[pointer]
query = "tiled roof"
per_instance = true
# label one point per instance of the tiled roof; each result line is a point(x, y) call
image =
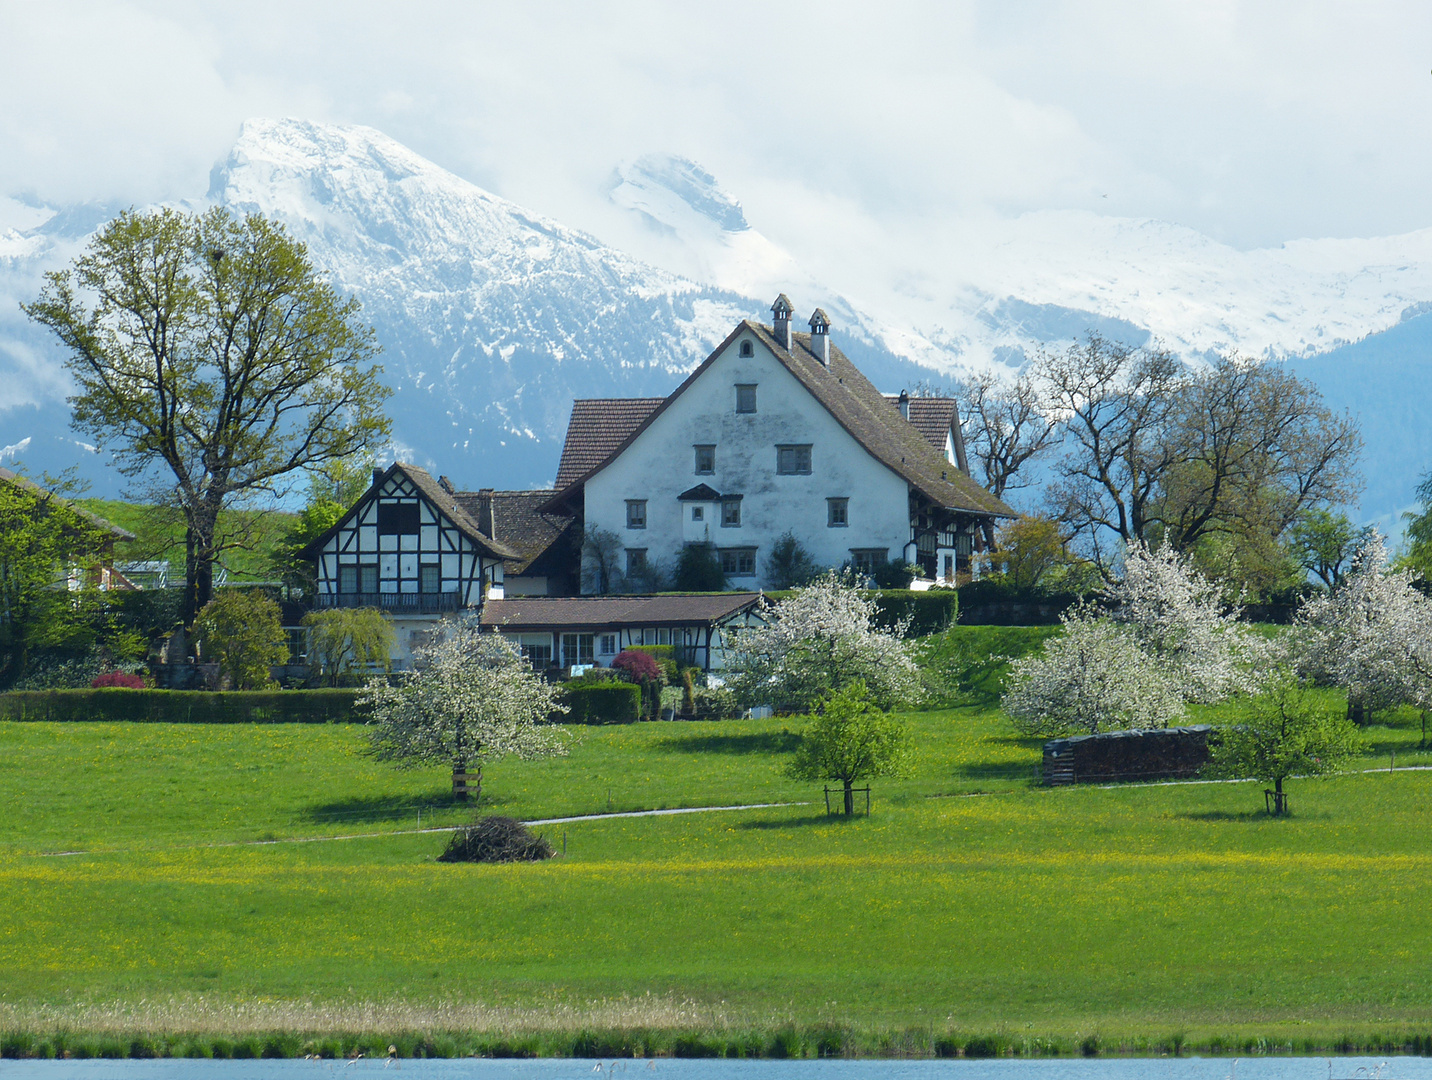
point(11, 477)
point(436, 494)
point(598, 612)
point(932, 416)
point(856, 405)
point(516, 519)
point(597, 427)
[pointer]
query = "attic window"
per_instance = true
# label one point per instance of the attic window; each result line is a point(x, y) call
point(793, 460)
point(397, 518)
point(745, 397)
point(747, 349)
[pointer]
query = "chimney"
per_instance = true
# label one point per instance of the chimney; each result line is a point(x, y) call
point(781, 321)
point(446, 485)
point(377, 475)
point(820, 336)
point(485, 522)
point(905, 404)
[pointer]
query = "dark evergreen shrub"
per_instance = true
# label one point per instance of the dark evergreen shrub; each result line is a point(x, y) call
point(698, 569)
point(600, 702)
point(496, 839)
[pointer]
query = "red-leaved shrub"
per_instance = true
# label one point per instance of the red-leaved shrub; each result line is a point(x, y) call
point(118, 678)
point(637, 666)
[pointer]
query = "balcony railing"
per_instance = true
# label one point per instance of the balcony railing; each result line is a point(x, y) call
point(397, 603)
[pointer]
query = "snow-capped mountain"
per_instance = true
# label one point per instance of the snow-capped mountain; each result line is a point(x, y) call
point(493, 317)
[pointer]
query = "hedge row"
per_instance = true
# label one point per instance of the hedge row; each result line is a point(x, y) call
point(606, 702)
point(930, 611)
point(183, 706)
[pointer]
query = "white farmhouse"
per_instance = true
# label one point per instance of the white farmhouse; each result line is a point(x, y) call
point(776, 432)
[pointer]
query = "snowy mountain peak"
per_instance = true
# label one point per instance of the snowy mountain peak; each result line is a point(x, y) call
point(671, 191)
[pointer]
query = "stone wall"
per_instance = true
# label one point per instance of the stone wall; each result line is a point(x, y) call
point(1158, 754)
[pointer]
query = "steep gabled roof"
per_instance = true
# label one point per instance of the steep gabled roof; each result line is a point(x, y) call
point(933, 417)
point(438, 496)
point(597, 428)
point(9, 476)
point(516, 519)
point(857, 406)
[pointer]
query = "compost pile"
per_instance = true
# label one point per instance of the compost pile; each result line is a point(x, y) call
point(496, 839)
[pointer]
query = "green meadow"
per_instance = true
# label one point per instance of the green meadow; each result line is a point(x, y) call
point(190, 877)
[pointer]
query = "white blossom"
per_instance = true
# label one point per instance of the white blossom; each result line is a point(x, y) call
point(1371, 635)
point(472, 698)
point(1095, 676)
point(1179, 617)
point(819, 639)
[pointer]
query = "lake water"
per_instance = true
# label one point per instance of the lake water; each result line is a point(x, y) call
point(1304, 1068)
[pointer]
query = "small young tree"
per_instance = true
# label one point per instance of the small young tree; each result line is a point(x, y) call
point(472, 699)
point(342, 640)
point(1093, 677)
point(789, 565)
point(815, 641)
point(851, 739)
point(1177, 617)
point(698, 569)
point(242, 631)
point(1028, 551)
point(601, 568)
point(1286, 734)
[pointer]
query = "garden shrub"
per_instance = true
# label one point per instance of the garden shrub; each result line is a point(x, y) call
point(496, 839)
point(119, 679)
point(114, 705)
point(638, 665)
point(665, 655)
point(601, 702)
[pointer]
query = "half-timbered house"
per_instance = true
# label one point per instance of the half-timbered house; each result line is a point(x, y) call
point(410, 549)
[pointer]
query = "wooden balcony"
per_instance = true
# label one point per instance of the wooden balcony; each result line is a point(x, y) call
point(393, 603)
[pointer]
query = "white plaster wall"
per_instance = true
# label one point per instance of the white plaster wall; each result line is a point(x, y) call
point(661, 463)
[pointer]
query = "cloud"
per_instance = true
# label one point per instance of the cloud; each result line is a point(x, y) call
point(1252, 122)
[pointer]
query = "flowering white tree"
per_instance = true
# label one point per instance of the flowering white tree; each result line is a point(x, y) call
point(1178, 616)
point(1093, 677)
point(1372, 635)
point(473, 698)
point(817, 640)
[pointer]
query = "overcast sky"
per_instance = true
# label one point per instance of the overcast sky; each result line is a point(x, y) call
point(1254, 123)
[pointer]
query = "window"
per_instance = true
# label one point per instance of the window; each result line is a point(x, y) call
point(745, 397)
point(793, 460)
point(837, 513)
point(747, 349)
point(705, 460)
point(430, 578)
point(348, 579)
point(537, 648)
point(636, 561)
point(636, 513)
point(867, 559)
point(297, 645)
point(730, 513)
point(578, 649)
point(949, 574)
point(607, 645)
point(395, 518)
point(738, 562)
point(368, 578)
point(698, 513)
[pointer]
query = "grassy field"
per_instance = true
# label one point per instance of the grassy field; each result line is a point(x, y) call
point(971, 901)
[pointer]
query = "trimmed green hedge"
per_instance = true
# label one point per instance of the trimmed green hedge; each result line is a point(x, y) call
point(601, 702)
point(183, 706)
point(931, 611)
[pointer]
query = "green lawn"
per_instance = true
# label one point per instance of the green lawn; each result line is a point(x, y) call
point(971, 900)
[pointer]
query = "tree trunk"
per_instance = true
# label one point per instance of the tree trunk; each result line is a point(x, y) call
point(849, 798)
point(1278, 803)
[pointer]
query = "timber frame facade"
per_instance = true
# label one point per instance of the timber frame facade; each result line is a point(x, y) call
point(407, 548)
